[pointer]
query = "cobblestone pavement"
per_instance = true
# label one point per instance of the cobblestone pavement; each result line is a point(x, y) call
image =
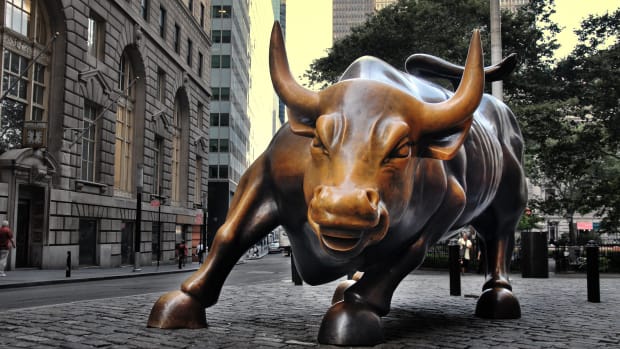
point(555, 314)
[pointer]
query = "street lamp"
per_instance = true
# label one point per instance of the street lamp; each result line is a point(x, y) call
point(159, 200)
point(138, 231)
point(204, 224)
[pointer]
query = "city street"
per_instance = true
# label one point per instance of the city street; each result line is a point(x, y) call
point(267, 270)
point(267, 310)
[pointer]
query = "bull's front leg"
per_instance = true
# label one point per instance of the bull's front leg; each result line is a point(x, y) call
point(252, 215)
point(356, 319)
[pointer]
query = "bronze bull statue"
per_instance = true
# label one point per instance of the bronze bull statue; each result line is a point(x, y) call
point(366, 176)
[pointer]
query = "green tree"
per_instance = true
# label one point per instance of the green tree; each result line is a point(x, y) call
point(588, 81)
point(441, 28)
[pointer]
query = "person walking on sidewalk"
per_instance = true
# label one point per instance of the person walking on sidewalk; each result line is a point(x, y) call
point(182, 252)
point(6, 240)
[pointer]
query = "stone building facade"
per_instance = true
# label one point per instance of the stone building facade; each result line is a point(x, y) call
point(103, 101)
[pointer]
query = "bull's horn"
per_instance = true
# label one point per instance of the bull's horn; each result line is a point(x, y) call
point(458, 109)
point(303, 104)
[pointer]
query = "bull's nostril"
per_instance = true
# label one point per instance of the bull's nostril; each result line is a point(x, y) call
point(318, 190)
point(373, 197)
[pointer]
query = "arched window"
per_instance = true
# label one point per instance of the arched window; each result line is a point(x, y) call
point(176, 151)
point(25, 75)
point(123, 148)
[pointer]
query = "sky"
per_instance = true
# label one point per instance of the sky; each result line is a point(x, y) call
point(308, 32)
point(570, 13)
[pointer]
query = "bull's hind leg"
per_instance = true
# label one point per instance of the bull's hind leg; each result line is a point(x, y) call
point(497, 226)
point(251, 216)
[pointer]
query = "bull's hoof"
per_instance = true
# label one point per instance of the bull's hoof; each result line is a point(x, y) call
point(177, 309)
point(498, 303)
point(351, 324)
point(339, 292)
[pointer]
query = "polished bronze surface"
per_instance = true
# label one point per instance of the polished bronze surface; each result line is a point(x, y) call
point(367, 174)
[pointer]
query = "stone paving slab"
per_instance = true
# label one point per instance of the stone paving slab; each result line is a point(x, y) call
point(555, 314)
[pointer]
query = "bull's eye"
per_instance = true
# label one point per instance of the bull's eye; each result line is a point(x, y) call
point(318, 144)
point(402, 151)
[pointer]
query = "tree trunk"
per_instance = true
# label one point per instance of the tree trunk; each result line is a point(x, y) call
point(496, 45)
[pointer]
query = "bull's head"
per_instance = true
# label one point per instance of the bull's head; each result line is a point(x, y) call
point(366, 137)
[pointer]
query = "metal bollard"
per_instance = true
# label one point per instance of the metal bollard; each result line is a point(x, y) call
point(594, 287)
point(294, 273)
point(68, 268)
point(455, 268)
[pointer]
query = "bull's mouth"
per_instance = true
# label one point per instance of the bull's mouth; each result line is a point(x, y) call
point(350, 240)
point(341, 239)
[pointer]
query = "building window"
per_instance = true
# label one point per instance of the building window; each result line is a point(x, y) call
point(158, 165)
point(224, 146)
point(202, 15)
point(123, 147)
point(89, 142)
point(176, 151)
point(221, 36)
point(25, 101)
point(212, 171)
point(162, 22)
point(17, 15)
point(177, 38)
point(144, 9)
point(190, 5)
point(221, 93)
point(213, 145)
point(223, 172)
point(24, 81)
point(224, 119)
point(198, 181)
point(200, 63)
point(220, 61)
point(189, 52)
point(221, 11)
point(95, 37)
point(200, 116)
point(161, 85)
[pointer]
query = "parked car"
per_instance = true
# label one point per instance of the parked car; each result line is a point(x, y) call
point(274, 247)
point(285, 244)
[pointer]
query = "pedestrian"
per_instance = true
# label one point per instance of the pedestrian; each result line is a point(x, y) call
point(464, 251)
point(200, 251)
point(6, 241)
point(182, 252)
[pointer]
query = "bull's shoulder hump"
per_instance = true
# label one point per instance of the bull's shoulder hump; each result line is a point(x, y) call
point(375, 69)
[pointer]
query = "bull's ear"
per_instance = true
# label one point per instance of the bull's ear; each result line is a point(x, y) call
point(444, 145)
point(299, 125)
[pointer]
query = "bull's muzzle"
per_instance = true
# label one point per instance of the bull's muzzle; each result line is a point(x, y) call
point(347, 219)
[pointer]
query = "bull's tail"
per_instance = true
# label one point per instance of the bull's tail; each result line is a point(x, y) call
point(429, 66)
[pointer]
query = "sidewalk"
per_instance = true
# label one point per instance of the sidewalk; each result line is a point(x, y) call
point(37, 277)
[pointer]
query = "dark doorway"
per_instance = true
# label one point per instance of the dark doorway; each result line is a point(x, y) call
point(22, 238)
point(127, 254)
point(155, 246)
point(88, 242)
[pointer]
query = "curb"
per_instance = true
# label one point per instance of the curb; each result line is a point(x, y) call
point(87, 279)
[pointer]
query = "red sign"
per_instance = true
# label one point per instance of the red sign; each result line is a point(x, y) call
point(584, 225)
point(198, 219)
point(155, 203)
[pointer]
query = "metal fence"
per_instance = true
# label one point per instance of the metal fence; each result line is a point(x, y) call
point(568, 258)
point(572, 258)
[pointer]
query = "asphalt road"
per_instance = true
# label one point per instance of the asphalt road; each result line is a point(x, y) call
point(270, 269)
